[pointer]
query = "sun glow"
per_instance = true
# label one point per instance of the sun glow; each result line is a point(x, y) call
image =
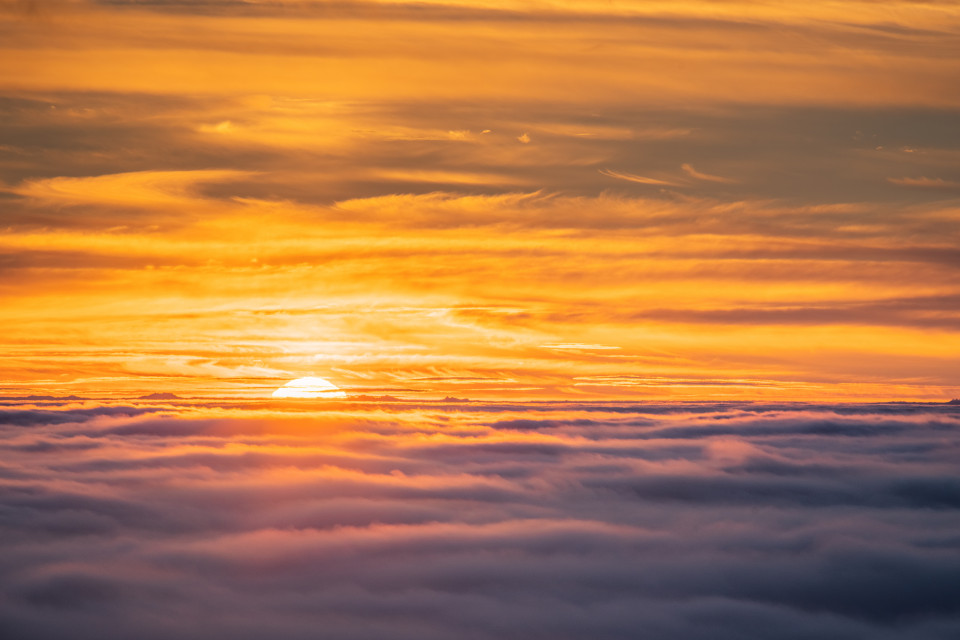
point(309, 388)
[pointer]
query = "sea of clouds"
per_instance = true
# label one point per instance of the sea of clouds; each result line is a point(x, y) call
point(250, 521)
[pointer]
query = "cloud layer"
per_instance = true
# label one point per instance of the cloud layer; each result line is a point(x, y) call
point(352, 520)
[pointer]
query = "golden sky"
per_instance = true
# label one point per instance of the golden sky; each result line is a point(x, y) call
point(526, 199)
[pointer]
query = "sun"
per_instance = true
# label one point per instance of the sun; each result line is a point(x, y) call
point(309, 388)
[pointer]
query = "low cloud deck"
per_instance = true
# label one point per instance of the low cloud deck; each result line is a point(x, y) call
point(364, 520)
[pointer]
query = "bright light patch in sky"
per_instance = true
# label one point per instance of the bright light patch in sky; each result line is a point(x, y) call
point(309, 388)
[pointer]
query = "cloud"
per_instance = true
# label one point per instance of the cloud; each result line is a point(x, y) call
point(435, 521)
point(33, 416)
point(150, 48)
point(448, 177)
point(925, 183)
point(639, 179)
point(579, 347)
point(147, 189)
point(693, 173)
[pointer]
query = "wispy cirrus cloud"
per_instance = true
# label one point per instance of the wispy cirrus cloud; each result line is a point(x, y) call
point(925, 183)
point(699, 175)
point(639, 179)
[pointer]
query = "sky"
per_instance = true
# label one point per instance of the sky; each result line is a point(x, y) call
point(619, 319)
point(527, 200)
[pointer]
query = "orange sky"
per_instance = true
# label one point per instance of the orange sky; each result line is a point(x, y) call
point(555, 200)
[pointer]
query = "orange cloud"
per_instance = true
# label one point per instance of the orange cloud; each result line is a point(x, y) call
point(925, 183)
point(693, 173)
point(639, 179)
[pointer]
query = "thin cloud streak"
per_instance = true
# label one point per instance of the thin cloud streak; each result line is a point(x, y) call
point(639, 179)
point(693, 173)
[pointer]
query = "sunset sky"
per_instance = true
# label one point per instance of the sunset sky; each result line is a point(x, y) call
point(479, 320)
point(520, 199)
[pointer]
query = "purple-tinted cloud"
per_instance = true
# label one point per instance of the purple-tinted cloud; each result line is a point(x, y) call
point(520, 521)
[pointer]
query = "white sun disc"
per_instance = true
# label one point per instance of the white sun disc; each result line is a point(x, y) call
point(309, 388)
